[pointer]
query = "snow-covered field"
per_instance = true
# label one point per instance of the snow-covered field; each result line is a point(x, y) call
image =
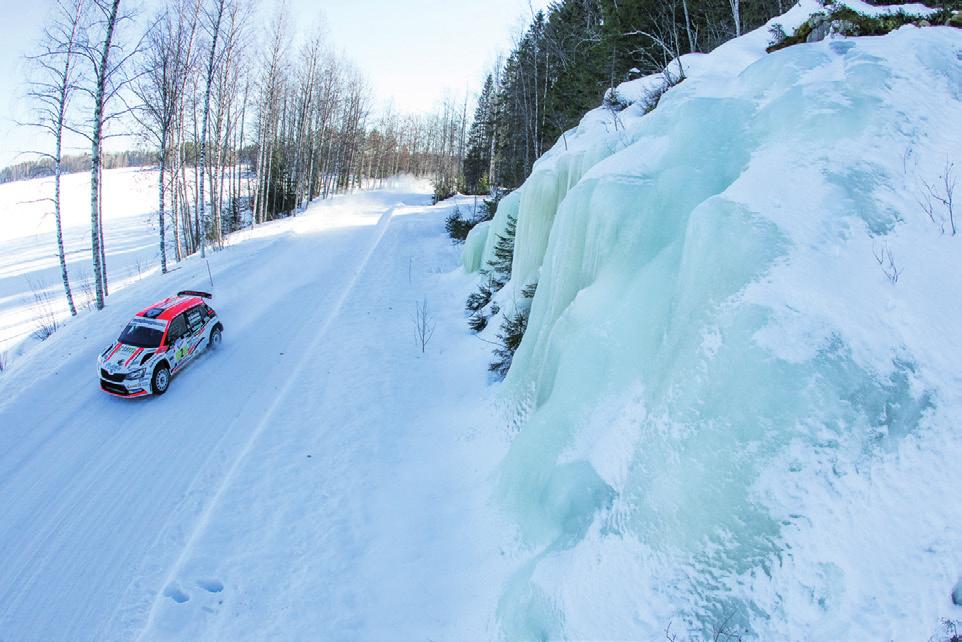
point(28, 252)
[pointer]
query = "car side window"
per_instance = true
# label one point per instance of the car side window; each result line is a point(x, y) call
point(195, 319)
point(178, 328)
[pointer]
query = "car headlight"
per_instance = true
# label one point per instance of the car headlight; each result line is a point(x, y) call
point(136, 374)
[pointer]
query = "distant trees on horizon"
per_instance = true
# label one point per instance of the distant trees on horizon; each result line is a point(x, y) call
point(73, 163)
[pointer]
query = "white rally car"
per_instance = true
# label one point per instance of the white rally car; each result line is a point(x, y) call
point(157, 343)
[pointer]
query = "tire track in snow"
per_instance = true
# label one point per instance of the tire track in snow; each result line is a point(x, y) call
point(203, 520)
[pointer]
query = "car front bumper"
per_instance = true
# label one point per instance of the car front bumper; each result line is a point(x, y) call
point(119, 386)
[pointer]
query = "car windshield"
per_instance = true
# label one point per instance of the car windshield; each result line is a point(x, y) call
point(141, 335)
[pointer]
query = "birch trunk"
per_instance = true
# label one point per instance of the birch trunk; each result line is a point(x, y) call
point(56, 210)
point(160, 210)
point(100, 213)
point(96, 236)
point(205, 115)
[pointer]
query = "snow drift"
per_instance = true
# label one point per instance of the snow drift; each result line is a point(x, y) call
point(739, 387)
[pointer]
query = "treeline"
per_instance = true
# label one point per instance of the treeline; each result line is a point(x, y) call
point(243, 126)
point(570, 58)
point(314, 134)
point(44, 167)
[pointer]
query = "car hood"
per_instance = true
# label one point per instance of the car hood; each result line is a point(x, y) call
point(123, 358)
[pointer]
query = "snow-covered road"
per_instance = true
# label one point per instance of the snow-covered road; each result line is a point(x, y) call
point(317, 477)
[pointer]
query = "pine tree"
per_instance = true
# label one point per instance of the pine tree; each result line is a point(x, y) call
point(477, 160)
point(513, 327)
point(495, 275)
point(570, 57)
point(504, 251)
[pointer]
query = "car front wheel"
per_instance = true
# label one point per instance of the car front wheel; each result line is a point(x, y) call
point(161, 380)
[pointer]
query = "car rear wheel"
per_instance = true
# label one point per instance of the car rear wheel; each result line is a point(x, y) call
point(215, 338)
point(161, 380)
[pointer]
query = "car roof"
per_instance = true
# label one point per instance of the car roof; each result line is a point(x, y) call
point(170, 307)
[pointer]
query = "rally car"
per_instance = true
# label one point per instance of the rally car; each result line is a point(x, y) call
point(158, 343)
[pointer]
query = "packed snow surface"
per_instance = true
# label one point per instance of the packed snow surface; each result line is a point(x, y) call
point(738, 397)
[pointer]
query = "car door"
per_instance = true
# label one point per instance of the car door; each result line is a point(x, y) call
point(178, 340)
point(195, 328)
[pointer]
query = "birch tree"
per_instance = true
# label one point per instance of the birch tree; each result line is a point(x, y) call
point(169, 56)
point(736, 7)
point(214, 17)
point(98, 48)
point(52, 90)
point(225, 115)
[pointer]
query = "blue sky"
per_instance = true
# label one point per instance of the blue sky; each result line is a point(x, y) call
point(411, 51)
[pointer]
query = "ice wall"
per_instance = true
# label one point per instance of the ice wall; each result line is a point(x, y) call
point(715, 360)
point(474, 244)
point(600, 134)
point(507, 209)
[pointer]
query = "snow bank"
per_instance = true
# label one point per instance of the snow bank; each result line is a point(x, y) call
point(735, 412)
point(910, 8)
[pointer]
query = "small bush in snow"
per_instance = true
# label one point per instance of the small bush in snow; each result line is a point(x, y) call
point(457, 227)
point(512, 331)
point(886, 261)
point(722, 632)
point(948, 632)
point(498, 271)
point(479, 300)
point(488, 209)
point(496, 275)
point(139, 267)
point(478, 321)
point(424, 324)
point(778, 36)
point(443, 189)
point(3, 361)
point(937, 199)
point(87, 297)
point(45, 319)
point(504, 251)
point(458, 224)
